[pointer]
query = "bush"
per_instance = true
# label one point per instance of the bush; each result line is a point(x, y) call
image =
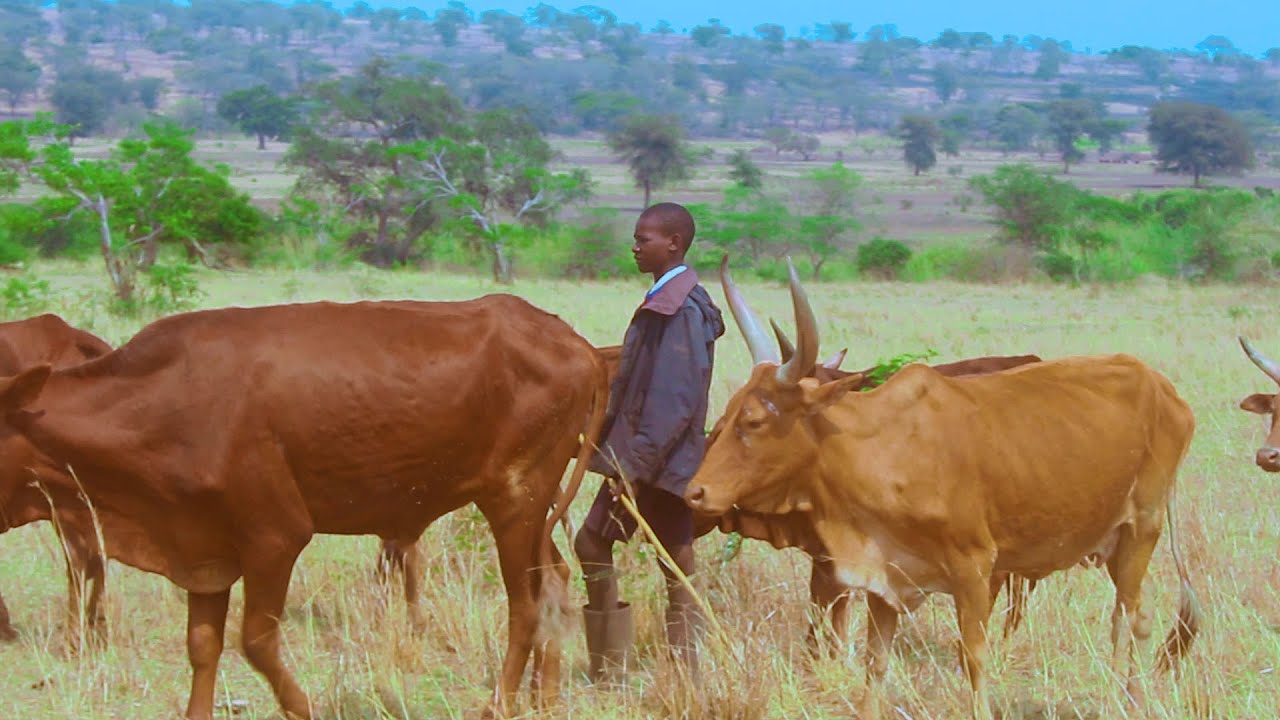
point(882, 258)
point(25, 295)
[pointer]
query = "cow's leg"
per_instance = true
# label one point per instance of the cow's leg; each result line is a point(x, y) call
point(206, 623)
point(405, 557)
point(517, 536)
point(882, 624)
point(829, 619)
point(1128, 567)
point(85, 583)
point(972, 591)
point(7, 633)
point(1018, 589)
point(413, 570)
point(266, 583)
point(545, 683)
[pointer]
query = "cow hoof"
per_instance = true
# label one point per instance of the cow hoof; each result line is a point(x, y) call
point(8, 634)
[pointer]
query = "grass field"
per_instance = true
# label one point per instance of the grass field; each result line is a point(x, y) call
point(353, 652)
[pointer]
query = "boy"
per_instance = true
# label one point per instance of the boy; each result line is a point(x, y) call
point(653, 438)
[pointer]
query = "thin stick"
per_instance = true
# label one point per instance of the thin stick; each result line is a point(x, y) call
point(630, 505)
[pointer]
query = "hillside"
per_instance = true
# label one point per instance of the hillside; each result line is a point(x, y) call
point(579, 72)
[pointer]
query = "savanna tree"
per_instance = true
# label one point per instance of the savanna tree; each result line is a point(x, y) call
point(359, 152)
point(1198, 139)
point(148, 191)
point(259, 111)
point(495, 177)
point(654, 149)
point(919, 135)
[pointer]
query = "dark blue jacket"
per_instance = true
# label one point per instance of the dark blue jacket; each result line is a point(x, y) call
point(655, 426)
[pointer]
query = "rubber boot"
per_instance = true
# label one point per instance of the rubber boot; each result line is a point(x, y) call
point(609, 634)
point(684, 631)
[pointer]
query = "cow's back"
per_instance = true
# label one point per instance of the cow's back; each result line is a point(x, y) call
point(377, 410)
point(1048, 455)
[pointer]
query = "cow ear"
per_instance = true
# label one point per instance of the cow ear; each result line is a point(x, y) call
point(1260, 403)
point(820, 397)
point(22, 389)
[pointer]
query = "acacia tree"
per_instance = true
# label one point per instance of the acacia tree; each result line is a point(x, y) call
point(824, 204)
point(744, 172)
point(495, 177)
point(259, 111)
point(147, 192)
point(356, 154)
point(654, 148)
point(18, 75)
point(919, 135)
point(1198, 139)
point(1069, 119)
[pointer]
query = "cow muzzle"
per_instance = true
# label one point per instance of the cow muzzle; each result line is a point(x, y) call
point(1268, 458)
point(697, 497)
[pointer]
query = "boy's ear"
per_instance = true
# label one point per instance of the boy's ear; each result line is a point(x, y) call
point(1260, 403)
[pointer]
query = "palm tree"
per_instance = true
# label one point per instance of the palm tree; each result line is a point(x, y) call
point(654, 148)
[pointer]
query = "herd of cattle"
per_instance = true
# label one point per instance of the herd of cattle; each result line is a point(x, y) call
point(212, 445)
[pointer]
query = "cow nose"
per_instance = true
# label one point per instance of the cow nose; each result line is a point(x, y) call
point(1268, 459)
point(695, 496)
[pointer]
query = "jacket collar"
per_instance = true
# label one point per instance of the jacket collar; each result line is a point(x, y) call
point(671, 294)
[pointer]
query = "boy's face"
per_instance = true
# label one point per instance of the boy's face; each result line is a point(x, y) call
point(655, 249)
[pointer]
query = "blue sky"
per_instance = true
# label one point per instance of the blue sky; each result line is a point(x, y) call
point(1098, 25)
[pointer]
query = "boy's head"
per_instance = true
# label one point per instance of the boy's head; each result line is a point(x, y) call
point(663, 234)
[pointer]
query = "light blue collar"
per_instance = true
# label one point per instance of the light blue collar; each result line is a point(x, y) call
point(665, 279)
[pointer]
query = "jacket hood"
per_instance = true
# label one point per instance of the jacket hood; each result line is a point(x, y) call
point(712, 318)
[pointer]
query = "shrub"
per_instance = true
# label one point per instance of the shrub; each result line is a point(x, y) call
point(25, 295)
point(883, 258)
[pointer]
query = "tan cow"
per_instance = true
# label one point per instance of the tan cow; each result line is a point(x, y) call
point(49, 339)
point(936, 484)
point(215, 444)
point(1268, 456)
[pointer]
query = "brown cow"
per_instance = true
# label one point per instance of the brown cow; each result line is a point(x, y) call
point(937, 484)
point(214, 444)
point(49, 339)
point(405, 558)
point(1268, 456)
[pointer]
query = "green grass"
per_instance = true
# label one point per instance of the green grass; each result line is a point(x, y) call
point(352, 651)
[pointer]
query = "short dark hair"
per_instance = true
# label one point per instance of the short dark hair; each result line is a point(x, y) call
point(674, 219)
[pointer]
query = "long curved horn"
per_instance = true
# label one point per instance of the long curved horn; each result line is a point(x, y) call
point(757, 342)
point(1265, 364)
point(784, 342)
point(806, 334)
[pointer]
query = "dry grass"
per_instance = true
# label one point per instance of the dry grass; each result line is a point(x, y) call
point(349, 642)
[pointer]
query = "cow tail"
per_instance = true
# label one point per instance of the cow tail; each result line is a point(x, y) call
point(1184, 631)
point(553, 601)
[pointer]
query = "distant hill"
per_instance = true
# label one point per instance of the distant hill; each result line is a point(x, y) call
point(582, 71)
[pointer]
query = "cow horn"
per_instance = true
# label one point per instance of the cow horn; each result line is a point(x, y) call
point(836, 360)
point(784, 342)
point(806, 334)
point(1265, 364)
point(757, 342)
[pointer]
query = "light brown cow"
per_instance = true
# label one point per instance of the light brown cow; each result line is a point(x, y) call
point(214, 444)
point(829, 614)
point(937, 484)
point(49, 339)
point(1268, 456)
